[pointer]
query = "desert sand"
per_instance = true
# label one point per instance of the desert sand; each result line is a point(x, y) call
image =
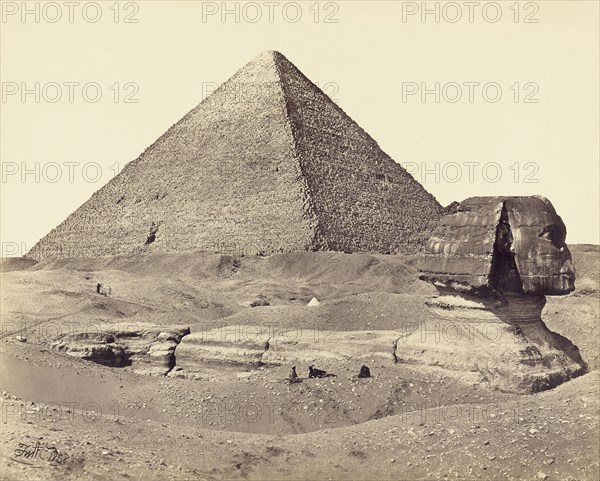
point(220, 407)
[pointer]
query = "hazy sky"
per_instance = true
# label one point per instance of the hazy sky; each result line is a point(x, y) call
point(517, 111)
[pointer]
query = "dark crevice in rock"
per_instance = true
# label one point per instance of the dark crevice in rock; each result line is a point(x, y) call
point(148, 350)
point(504, 275)
point(173, 360)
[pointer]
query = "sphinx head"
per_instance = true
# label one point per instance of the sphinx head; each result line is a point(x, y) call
point(541, 253)
point(510, 244)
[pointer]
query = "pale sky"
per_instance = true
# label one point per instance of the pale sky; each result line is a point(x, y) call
point(367, 61)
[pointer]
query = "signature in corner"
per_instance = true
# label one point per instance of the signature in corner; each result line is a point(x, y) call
point(27, 453)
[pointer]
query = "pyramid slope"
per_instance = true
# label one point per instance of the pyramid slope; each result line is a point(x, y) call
point(223, 178)
point(363, 199)
point(258, 166)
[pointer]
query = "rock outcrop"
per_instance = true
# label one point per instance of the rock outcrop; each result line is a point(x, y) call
point(503, 343)
point(267, 163)
point(147, 348)
point(493, 261)
point(241, 347)
point(252, 346)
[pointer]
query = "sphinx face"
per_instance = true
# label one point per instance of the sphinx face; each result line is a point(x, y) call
point(507, 244)
point(542, 258)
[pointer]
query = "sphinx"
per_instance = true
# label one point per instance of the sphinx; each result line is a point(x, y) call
point(492, 261)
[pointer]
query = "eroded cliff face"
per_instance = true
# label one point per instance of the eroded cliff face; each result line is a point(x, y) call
point(147, 348)
point(493, 261)
point(203, 354)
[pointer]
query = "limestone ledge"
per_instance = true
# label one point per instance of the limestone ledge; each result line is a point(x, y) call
point(147, 348)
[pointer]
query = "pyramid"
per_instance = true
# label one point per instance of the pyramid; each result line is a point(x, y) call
point(267, 163)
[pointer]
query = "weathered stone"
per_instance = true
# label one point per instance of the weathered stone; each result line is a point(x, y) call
point(492, 261)
point(147, 348)
point(267, 163)
point(307, 345)
point(503, 343)
point(234, 345)
point(254, 345)
point(514, 244)
point(103, 289)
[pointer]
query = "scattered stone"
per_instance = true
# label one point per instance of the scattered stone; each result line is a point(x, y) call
point(261, 301)
point(103, 289)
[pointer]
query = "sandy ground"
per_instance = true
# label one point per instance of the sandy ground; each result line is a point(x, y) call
point(65, 418)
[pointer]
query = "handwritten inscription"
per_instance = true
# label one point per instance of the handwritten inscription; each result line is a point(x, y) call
point(30, 453)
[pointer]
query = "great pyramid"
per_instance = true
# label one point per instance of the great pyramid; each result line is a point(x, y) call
point(267, 163)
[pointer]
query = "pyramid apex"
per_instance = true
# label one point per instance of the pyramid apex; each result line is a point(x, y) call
point(271, 54)
point(268, 63)
point(275, 53)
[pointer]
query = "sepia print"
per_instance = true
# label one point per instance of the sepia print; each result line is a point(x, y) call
point(343, 240)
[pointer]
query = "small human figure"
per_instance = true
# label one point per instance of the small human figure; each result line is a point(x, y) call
point(364, 372)
point(314, 372)
point(293, 378)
